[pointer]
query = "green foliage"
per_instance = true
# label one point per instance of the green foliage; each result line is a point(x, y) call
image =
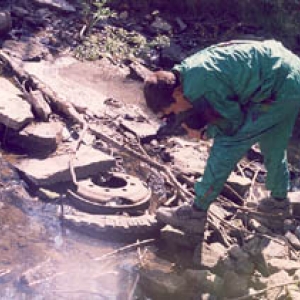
point(94, 11)
point(120, 44)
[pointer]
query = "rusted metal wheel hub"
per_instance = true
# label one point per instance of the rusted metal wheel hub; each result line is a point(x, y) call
point(118, 192)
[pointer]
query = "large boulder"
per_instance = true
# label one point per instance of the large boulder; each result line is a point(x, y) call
point(15, 112)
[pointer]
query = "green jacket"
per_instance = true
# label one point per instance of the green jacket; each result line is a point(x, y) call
point(232, 76)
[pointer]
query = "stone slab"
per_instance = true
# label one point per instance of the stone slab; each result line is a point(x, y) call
point(37, 138)
point(14, 111)
point(51, 170)
point(87, 84)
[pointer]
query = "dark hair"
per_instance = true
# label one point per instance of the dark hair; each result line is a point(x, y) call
point(159, 88)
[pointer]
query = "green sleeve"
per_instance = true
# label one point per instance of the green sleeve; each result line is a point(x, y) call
point(200, 83)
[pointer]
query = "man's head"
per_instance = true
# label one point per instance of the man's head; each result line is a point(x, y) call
point(158, 90)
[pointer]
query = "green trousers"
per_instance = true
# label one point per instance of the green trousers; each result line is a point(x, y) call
point(271, 126)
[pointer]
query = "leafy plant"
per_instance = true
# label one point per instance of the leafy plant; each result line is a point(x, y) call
point(94, 11)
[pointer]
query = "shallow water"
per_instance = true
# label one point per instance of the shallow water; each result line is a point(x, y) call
point(49, 261)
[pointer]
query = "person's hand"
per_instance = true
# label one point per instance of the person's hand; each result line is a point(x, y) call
point(195, 133)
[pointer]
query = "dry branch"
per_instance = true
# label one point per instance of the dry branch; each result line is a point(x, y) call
point(125, 248)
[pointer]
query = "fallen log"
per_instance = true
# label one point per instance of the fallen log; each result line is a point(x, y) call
point(56, 102)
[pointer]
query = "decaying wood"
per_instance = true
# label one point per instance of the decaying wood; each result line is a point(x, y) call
point(39, 105)
point(60, 104)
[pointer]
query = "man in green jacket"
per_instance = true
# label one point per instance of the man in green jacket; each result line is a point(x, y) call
point(242, 93)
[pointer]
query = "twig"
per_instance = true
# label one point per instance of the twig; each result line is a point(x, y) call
point(266, 289)
point(184, 193)
point(4, 272)
point(73, 155)
point(252, 184)
point(45, 279)
point(133, 288)
point(127, 247)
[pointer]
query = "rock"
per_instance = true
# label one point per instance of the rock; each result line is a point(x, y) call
point(37, 138)
point(19, 11)
point(159, 25)
point(158, 277)
point(55, 169)
point(257, 246)
point(264, 249)
point(258, 227)
point(14, 111)
point(204, 280)
point(28, 50)
point(40, 106)
point(293, 239)
point(5, 22)
point(208, 255)
point(188, 160)
point(139, 71)
point(295, 203)
point(124, 15)
point(278, 279)
point(177, 237)
point(57, 4)
point(182, 26)
point(277, 264)
point(171, 55)
point(140, 127)
point(240, 185)
point(291, 225)
point(235, 284)
point(258, 281)
point(297, 232)
point(254, 153)
point(241, 260)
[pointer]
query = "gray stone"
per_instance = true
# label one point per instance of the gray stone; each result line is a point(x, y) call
point(241, 260)
point(101, 81)
point(276, 264)
point(40, 106)
point(293, 239)
point(55, 169)
point(171, 54)
point(182, 26)
point(295, 203)
point(5, 22)
point(29, 50)
point(14, 111)
point(176, 237)
point(278, 279)
point(160, 25)
point(258, 246)
point(258, 281)
point(158, 277)
point(58, 4)
point(140, 128)
point(37, 138)
point(204, 280)
point(235, 284)
point(140, 71)
point(208, 256)
point(238, 184)
point(258, 227)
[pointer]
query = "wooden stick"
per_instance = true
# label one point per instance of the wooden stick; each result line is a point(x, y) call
point(125, 248)
point(184, 193)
